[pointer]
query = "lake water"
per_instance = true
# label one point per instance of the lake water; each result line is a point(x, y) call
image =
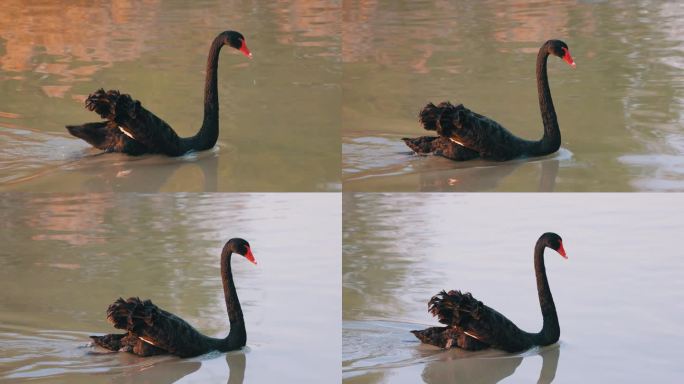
point(65, 258)
point(279, 112)
point(621, 111)
point(620, 296)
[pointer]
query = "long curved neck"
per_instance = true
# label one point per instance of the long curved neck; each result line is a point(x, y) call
point(551, 329)
point(551, 140)
point(238, 334)
point(208, 133)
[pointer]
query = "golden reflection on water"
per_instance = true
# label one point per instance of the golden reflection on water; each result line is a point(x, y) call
point(79, 38)
point(54, 54)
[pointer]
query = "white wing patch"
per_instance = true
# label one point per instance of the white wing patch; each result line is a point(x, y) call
point(471, 335)
point(147, 341)
point(451, 138)
point(126, 132)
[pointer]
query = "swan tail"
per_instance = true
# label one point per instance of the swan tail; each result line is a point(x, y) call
point(440, 146)
point(110, 342)
point(135, 122)
point(96, 134)
point(456, 308)
point(127, 342)
point(448, 337)
point(421, 145)
point(107, 136)
point(152, 325)
point(432, 336)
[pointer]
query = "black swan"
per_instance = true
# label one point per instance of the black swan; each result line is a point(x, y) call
point(153, 331)
point(465, 135)
point(132, 129)
point(473, 326)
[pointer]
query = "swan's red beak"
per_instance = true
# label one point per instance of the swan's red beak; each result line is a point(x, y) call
point(249, 256)
point(245, 51)
point(561, 251)
point(568, 59)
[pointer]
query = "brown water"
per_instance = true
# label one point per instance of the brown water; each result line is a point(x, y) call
point(65, 258)
point(620, 111)
point(279, 112)
point(619, 296)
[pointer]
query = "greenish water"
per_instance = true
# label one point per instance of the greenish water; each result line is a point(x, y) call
point(279, 112)
point(65, 258)
point(619, 294)
point(620, 111)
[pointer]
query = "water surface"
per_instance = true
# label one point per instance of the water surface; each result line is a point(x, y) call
point(279, 112)
point(619, 296)
point(65, 258)
point(620, 111)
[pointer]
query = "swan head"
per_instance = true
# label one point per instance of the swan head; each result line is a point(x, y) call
point(553, 241)
point(237, 41)
point(241, 247)
point(560, 49)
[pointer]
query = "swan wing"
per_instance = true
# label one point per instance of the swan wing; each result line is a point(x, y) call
point(471, 130)
point(135, 121)
point(474, 319)
point(156, 327)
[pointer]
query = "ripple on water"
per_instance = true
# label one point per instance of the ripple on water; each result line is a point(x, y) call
point(370, 347)
point(369, 159)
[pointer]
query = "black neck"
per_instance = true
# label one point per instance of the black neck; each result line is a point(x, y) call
point(208, 134)
point(551, 329)
point(551, 140)
point(238, 334)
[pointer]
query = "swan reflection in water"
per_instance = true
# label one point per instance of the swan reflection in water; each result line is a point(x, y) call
point(473, 179)
point(170, 370)
point(453, 369)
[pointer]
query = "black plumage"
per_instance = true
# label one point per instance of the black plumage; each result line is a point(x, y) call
point(130, 128)
point(471, 325)
point(153, 331)
point(464, 134)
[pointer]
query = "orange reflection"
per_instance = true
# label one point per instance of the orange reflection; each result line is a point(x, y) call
point(74, 223)
point(301, 22)
point(71, 40)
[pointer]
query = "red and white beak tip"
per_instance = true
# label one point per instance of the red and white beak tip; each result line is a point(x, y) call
point(245, 51)
point(568, 58)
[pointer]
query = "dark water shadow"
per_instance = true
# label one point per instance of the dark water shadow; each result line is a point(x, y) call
point(485, 178)
point(74, 166)
point(167, 370)
point(550, 357)
point(454, 369)
point(149, 174)
point(237, 363)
